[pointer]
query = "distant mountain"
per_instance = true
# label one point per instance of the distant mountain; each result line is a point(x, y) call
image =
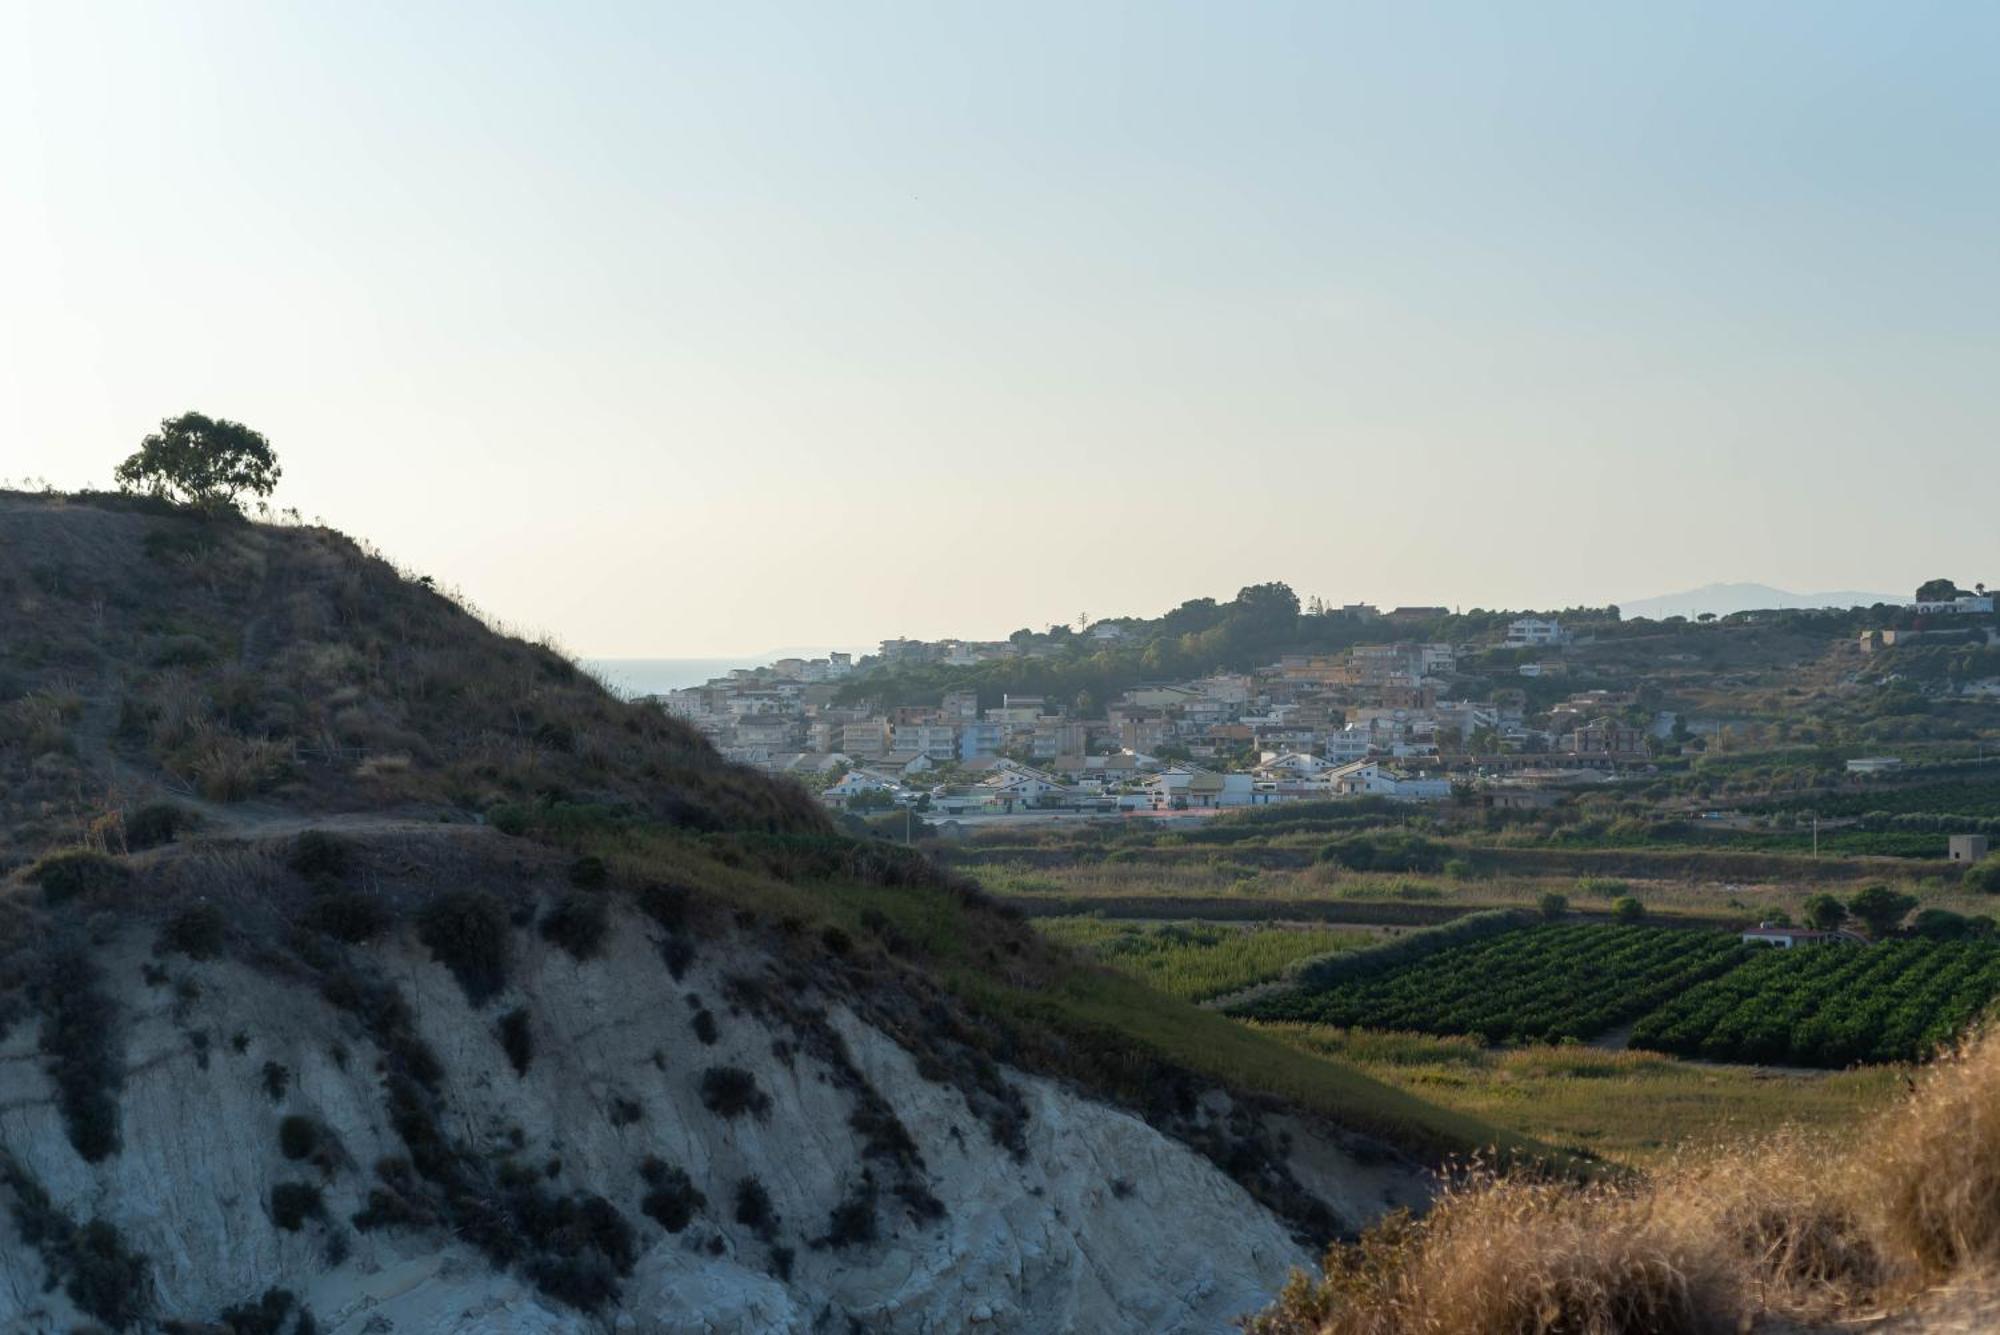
point(1722, 599)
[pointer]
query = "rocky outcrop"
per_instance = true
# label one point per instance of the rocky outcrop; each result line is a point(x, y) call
point(822, 1182)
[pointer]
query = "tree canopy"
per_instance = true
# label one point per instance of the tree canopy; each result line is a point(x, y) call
point(1937, 591)
point(202, 461)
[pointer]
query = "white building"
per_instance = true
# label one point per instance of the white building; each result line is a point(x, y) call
point(1535, 633)
point(1963, 605)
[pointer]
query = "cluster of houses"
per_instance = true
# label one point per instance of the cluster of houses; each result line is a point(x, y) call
point(1374, 720)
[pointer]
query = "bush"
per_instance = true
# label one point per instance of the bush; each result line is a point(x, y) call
point(704, 1027)
point(276, 1080)
point(852, 1222)
point(298, 1137)
point(353, 916)
point(157, 823)
point(78, 1042)
point(1603, 887)
point(467, 932)
point(196, 931)
point(1627, 909)
point(671, 1199)
point(731, 1091)
point(105, 1279)
point(589, 872)
point(317, 854)
point(292, 1203)
point(1553, 906)
point(754, 1211)
point(1984, 875)
point(1944, 925)
point(78, 873)
point(517, 1040)
point(1881, 908)
point(1825, 912)
point(578, 924)
point(267, 1316)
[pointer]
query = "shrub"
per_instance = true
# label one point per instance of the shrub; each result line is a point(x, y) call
point(517, 1040)
point(677, 952)
point(353, 916)
point(1984, 875)
point(852, 1222)
point(731, 1091)
point(77, 1041)
point(196, 931)
point(671, 1199)
point(1881, 908)
point(276, 1080)
point(589, 872)
point(1944, 925)
point(1627, 909)
point(267, 1316)
point(704, 1027)
point(317, 854)
point(1601, 886)
point(298, 1137)
point(754, 1211)
point(292, 1203)
point(1553, 906)
point(157, 823)
point(578, 924)
point(1825, 912)
point(467, 932)
point(105, 1279)
point(77, 873)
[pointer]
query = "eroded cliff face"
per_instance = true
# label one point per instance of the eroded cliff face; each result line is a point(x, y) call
point(825, 1180)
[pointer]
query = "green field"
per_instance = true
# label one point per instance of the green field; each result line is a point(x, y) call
point(1632, 1107)
point(1198, 961)
point(1964, 797)
point(1832, 1005)
point(1537, 984)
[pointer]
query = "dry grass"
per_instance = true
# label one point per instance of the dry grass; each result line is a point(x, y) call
point(1798, 1226)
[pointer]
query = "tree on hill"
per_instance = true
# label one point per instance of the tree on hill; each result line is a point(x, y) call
point(1881, 908)
point(1937, 591)
point(201, 461)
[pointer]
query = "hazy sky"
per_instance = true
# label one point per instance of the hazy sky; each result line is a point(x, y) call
point(678, 330)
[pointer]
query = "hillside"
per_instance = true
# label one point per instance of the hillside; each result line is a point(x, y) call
point(360, 961)
point(148, 653)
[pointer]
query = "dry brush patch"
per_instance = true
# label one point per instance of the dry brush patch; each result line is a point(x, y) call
point(1800, 1227)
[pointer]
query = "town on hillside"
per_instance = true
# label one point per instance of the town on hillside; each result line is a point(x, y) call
point(1411, 704)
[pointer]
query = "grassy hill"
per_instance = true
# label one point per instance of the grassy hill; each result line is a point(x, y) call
point(148, 654)
point(268, 745)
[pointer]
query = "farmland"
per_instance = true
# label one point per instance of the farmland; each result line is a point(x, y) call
point(1198, 961)
point(1539, 984)
point(1635, 1108)
point(1831, 1006)
point(1969, 797)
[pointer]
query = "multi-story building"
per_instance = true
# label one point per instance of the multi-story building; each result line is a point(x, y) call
point(865, 740)
point(1535, 633)
point(936, 741)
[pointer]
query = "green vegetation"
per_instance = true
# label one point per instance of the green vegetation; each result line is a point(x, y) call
point(1539, 984)
point(1832, 1005)
point(1198, 961)
point(202, 461)
point(1632, 1107)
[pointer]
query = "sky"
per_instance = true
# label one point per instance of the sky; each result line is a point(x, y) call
point(689, 330)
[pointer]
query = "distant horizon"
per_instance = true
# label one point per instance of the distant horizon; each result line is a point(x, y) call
point(858, 648)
